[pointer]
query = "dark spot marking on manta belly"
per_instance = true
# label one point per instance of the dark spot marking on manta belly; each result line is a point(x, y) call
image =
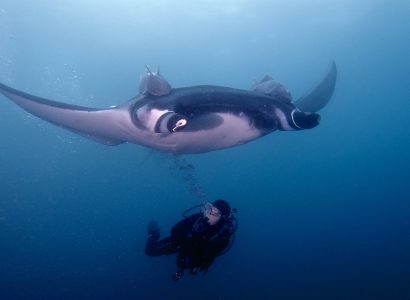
point(203, 122)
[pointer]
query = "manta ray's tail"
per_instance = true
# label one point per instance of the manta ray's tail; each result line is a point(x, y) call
point(320, 95)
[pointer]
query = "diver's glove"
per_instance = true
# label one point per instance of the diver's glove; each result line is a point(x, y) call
point(153, 229)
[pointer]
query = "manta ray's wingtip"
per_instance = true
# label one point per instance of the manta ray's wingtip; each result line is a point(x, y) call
point(321, 94)
point(333, 66)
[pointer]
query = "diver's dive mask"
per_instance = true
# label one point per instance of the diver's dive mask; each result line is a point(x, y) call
point(211, 213)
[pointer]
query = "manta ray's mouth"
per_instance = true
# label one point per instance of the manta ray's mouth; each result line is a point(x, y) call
point(304, 120)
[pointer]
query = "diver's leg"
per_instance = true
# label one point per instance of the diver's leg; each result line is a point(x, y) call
point(156, 247)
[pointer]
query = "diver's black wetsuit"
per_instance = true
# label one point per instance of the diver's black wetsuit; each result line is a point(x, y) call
point(196, 242)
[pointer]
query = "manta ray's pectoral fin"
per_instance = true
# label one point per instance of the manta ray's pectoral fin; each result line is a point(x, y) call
point(320, 95)
point(101, 125)
point(99, 139)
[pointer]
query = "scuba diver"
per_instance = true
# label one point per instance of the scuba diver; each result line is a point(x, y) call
point(198, 239)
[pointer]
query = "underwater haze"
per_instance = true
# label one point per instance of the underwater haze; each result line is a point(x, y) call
point(322, 213)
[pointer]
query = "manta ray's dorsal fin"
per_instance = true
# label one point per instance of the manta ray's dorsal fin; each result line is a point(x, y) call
point(152, 83)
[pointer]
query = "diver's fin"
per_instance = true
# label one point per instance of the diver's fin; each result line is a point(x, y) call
point(320, 95)
point(153, 228)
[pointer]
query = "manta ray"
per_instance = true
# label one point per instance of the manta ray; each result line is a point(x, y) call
point(195, 119)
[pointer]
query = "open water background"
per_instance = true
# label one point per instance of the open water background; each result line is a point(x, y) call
point(323, 213)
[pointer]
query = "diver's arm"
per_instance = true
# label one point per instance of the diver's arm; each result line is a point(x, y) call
point(183, 227)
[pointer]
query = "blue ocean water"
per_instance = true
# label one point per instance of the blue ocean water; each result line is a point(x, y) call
point(323, 213)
